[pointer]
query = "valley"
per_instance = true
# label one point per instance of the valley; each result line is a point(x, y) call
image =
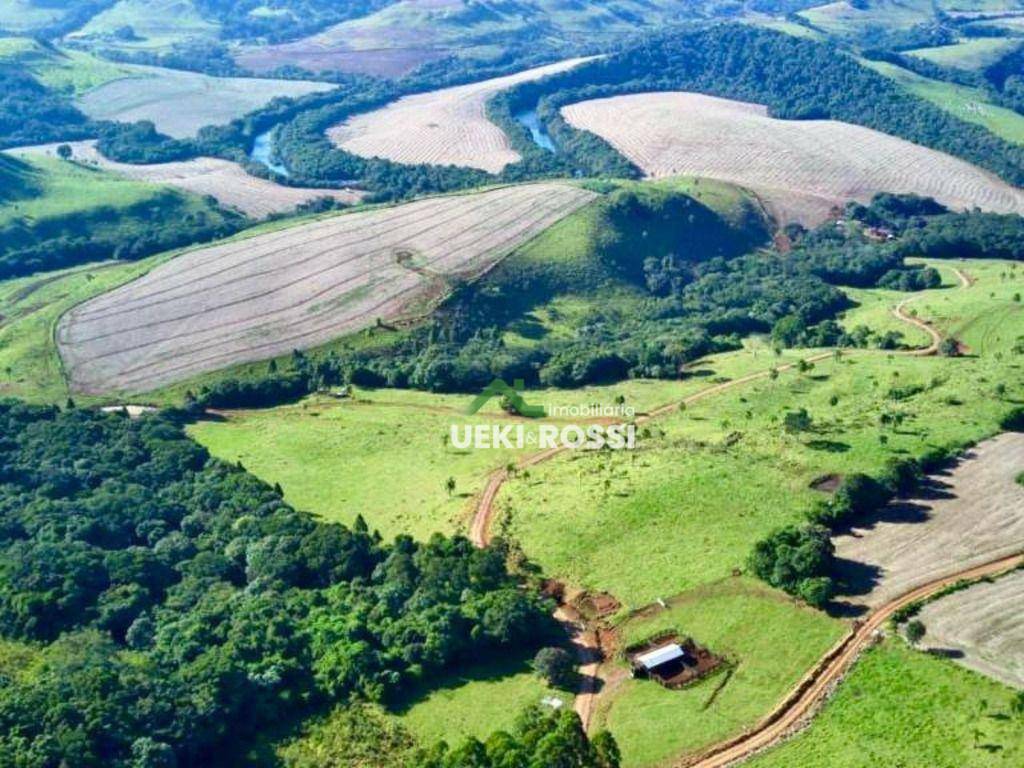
point(447, 384)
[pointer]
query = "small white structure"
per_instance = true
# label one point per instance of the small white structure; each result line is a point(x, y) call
point(659, 657)
point(552, 701)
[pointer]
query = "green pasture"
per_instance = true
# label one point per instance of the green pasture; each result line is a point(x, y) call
point(706, 482)
point(769, 641)
point(44, 187)
point(973, 53)
point(969, 104)
point(901, 707)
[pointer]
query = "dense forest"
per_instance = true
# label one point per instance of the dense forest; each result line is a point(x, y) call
point(178, 607)
point(32, 114)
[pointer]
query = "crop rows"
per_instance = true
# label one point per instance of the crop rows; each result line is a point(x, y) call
point(295, 289)
point(971, 515)
point(801, 163)
point(444, 127)
point(221, 179)
point(180, 103)
point(985, 624)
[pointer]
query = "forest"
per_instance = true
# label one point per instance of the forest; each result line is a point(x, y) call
point(178, 605)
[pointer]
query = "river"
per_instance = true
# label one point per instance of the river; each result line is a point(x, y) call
point(263, 152)
point(538, 133)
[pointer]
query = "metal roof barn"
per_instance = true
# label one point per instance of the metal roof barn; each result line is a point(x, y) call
point(659, 656)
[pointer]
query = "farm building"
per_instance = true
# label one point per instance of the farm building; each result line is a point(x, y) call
point(664, 662)
point(672, 662)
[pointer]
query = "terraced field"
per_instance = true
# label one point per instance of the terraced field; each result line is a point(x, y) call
point(983, 628)
point(180, 103)
point(445, 127)
point(297, 288)
point(971, 514)
point(803, 167)
point(221, 179)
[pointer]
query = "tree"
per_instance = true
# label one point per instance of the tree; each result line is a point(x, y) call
point(915, 631)
point(554, 665)
point(1017, 704)
point(797, 421)
point(948, 347)
point(64, 151)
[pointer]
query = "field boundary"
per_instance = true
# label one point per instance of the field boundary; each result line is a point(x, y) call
point(816, 686)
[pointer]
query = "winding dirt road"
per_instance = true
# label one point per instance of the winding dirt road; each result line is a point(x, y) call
point(583, 640)
point(816, 685)
point(899, 312)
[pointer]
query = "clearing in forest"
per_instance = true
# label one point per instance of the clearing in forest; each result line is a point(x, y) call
point(222, 179)
point(445, 127)
point(981, 627)
point(299, 288)
point(803, 167)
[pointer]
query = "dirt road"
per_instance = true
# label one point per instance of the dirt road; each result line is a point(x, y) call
point(585, 642)
point(899, 312)
point(814, 688)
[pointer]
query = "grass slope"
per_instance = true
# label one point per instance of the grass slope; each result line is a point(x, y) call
point(973, 54)
point(966, 103)
point(769, 639)
point(157, 24)
point(69, 71)
point(709, 481)
point(900, 707)
point(42, 188)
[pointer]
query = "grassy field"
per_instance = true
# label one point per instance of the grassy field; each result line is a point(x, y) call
point(382, 455)
point(974, 54)
point(968, 104)
point(475, 702)
point(41, 188)
point(842, 19)
point(769, 640)
point(590, 518)
point(157, 24)
point(26, 16)
point(900, 707)
point(69, 71)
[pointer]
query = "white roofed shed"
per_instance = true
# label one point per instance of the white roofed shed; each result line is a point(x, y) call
point(659, 656)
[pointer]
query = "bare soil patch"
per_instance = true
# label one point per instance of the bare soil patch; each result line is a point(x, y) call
point(970, 514)
point(596, 605)
point(221, 179)
point(297, 288)
point(827, 483)
point(981, 627)
point(801, 168)
point(444, 127)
